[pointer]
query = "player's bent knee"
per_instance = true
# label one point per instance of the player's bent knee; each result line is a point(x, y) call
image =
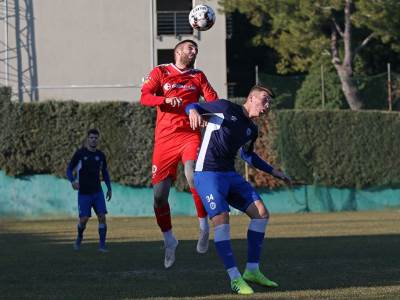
point(102, 218)
point(83, 220)
point(257, 210)
point(264, 214)
point(220, 219)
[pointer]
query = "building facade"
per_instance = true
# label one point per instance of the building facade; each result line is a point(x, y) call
point(94, 50)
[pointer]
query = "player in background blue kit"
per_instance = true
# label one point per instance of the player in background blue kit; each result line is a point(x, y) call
point(230, 129)
point(88, 162)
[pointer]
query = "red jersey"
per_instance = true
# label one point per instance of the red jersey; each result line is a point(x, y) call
point(166, 81)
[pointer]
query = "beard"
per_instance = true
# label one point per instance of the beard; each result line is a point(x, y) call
point(188, 61)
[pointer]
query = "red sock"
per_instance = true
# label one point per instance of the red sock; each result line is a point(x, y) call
point(163, 216)
point(201, 212)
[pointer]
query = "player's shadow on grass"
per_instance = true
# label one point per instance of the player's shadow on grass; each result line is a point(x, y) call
point(135, 269)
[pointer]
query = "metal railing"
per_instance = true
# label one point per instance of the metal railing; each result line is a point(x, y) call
point(173, 23)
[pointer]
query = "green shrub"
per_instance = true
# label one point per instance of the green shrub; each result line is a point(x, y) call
point(324, 147)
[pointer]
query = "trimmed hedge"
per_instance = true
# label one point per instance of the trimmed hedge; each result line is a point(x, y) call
point(340, 148)
point(46, 134)
point(332, 148)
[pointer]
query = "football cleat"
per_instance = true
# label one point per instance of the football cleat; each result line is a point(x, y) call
point(239, 286)
point(202, 243)
point(170, 254)
point(102, 250)
point(257, 277)
point(77, 244)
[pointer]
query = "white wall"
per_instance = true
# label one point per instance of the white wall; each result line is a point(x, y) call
point(99, 42)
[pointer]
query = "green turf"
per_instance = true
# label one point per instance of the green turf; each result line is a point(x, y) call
point(311, 256)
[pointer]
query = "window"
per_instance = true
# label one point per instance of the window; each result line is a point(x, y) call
point(172, 17)
point(165, 56)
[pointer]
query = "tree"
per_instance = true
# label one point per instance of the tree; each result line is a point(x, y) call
point(302, 30)
point(309, 94)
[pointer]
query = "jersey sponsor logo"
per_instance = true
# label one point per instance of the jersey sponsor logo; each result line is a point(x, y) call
point(248, 131)
point(233, 118)
point(169, 86)
point(97, 158)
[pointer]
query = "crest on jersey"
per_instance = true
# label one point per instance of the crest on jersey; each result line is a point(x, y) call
point(167, 86)
point(153, 170)
point(248, 131)
point(233, 118)
point(97, 158)
point(146, 80)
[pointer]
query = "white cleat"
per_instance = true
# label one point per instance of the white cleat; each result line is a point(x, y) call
point(170, 254)
point(202, 243)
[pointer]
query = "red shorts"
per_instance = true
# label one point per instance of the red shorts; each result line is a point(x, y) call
point(168, 153)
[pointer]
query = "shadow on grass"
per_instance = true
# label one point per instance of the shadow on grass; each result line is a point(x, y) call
point(34, 266)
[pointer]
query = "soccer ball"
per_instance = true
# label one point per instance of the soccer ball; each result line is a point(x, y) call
point(202, 17)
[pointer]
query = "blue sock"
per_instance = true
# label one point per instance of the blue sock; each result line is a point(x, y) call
point(102, 234)
point(222, 243)
point(255, 238)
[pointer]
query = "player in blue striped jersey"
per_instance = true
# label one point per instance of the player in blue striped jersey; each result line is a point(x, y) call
point(88, 162)
point(231, 129)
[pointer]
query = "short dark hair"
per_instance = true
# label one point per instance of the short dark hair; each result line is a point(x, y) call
point(183, 42)
point(260, 88)
point(93, 131)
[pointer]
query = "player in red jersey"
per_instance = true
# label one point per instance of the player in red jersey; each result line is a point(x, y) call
point(170, 88)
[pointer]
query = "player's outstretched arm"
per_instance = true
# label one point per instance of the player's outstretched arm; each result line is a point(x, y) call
point(257, 162)
point(278, 174)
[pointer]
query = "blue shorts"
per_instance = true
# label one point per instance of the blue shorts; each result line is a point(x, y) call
point(86, 202)
point(218, 190)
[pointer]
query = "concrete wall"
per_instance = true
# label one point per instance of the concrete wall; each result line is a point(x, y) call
point(96, 42)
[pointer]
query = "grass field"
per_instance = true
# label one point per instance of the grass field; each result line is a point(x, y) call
point(312, 256)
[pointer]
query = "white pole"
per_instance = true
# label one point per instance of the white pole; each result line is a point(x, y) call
point(389, 86)
point(152, 36)
point(6, 69)
point(246, 166)
point(256, 74)
point(322, 86)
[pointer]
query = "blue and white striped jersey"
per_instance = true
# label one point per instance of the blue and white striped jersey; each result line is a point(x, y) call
point(228, 130)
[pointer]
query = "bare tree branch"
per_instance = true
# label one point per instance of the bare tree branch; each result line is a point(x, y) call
point(337, 27)
point(347, 60)
point(363, 43)
point(334, 49)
